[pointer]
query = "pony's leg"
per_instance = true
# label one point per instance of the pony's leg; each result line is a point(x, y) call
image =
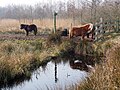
point(35, 31)
point(70, 35)
point(27, 32)
point(93, 34)
point(83, 37)
point(87, 35)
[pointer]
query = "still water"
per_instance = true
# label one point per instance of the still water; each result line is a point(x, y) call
point(55, 75)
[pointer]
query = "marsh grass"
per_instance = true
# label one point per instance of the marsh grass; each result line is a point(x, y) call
point(85, 47)
point(19, 58)
point(107, 72)
point(66, 48)
point(54, 38)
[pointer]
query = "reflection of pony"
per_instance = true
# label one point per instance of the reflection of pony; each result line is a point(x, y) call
point(81, 65)
point(82, 31)
point(78, 65)
point(29, 28)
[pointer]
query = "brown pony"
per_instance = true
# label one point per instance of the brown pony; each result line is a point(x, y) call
point(83, 31)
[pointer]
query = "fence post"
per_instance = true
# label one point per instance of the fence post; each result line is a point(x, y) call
point(99, 29)
point(96, 31)
point(117, 25)
point(101, 25)
point(55, 14)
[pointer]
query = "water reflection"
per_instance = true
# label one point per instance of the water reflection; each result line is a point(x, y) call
point(56, 73)
point(77, 64)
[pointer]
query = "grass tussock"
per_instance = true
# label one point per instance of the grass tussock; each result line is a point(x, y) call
point(70, 48)
point(85, 48)
point(54, 38)
point(18, 58)
point(67, 48)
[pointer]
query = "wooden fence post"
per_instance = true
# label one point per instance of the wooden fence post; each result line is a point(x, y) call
point(99, 29)
point(55, 14)
point(106, 25)
point(117, 25)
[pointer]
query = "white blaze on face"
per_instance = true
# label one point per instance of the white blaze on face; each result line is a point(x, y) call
point(90, 27)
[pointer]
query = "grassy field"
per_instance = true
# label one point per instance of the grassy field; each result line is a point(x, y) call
point(13, 25)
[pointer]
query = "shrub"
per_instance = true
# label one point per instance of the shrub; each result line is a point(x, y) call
point(54, 38)
point(67, 48)
point(84, 47)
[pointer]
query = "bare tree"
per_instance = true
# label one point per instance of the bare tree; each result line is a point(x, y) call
point(78, 10)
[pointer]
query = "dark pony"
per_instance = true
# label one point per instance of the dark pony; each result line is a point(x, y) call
point(29, 28)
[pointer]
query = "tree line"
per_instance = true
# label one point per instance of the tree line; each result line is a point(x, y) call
point(78, 10)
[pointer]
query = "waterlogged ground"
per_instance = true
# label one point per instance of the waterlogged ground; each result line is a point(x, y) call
point(54, 75)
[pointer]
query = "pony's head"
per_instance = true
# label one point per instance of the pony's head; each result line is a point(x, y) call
point(23, 26)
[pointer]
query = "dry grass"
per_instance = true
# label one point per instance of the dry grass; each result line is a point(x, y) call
point(107, 73)
point(18, 58)
point(14, 25)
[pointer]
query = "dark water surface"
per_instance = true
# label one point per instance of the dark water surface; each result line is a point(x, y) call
point(56, 74)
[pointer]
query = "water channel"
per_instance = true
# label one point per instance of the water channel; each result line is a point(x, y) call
point(56, 74)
